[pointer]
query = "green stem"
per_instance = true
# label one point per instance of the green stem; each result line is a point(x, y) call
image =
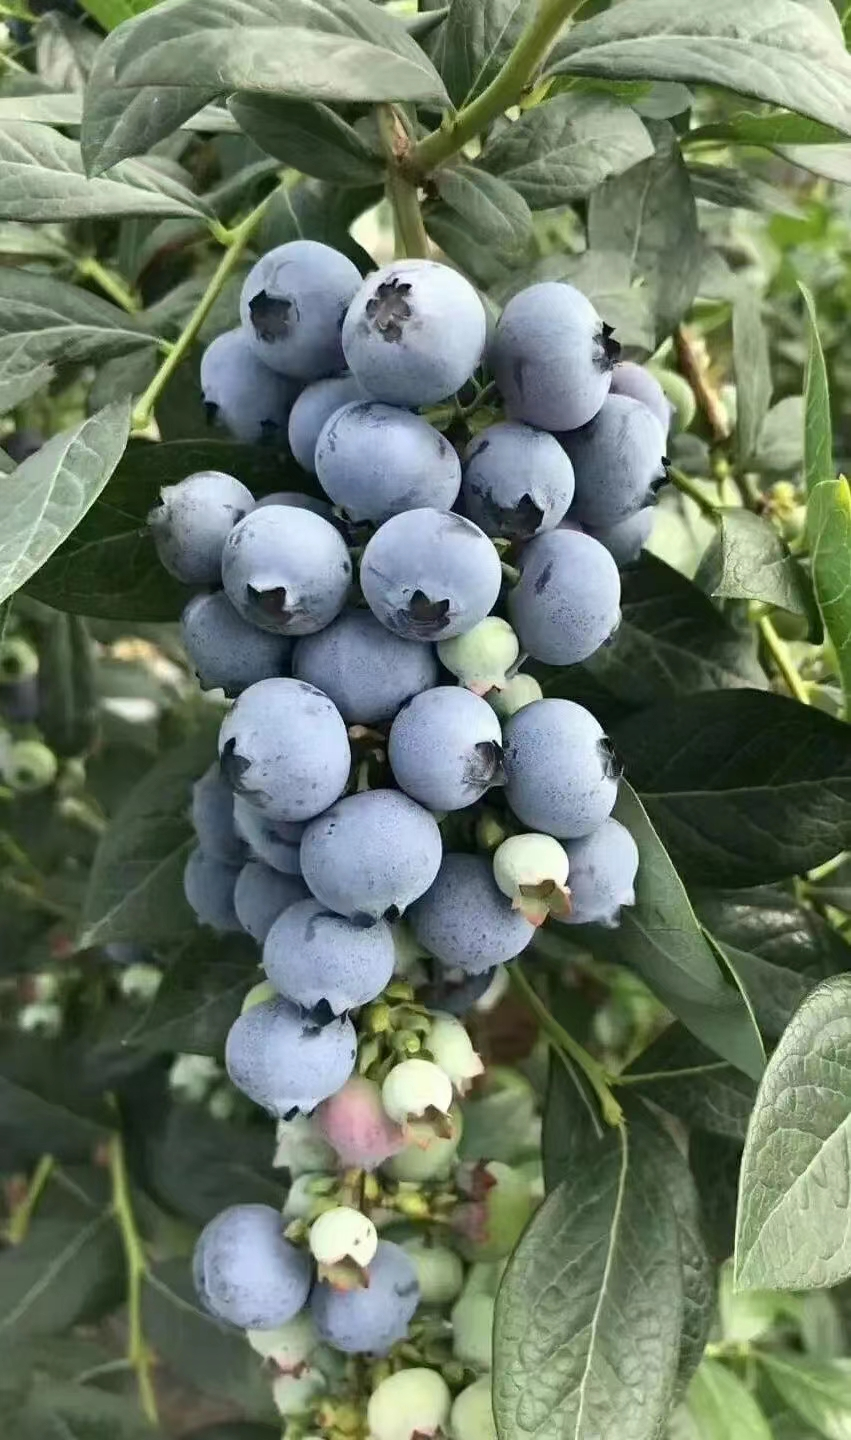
point(411, 237)
point(19, 1222)
point(562, 1041)
point(236, 241)
point(89, 268)
point(780, 654)
point(504, 90)
point(651, 1075)
point(138, 1355)
point(686, 486)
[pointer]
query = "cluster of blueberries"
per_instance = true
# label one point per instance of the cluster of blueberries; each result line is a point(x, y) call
point(368, 623)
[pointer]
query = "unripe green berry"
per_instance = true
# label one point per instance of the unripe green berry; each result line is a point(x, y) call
point(532, 871)
point(297, 1394)
point(440, 1271)
point(410, 1403)
point(28, 766)
point(257, 995)
point(681, 396)
point(472, 1412)
point(290, 1346)
point(18, 660)
point(453, 1051)
point(427, 1156)
point(472, 1329)
point(520, 690)
point(481, 657)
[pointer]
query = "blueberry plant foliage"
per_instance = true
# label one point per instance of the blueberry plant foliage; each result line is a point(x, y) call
point(620, 1207)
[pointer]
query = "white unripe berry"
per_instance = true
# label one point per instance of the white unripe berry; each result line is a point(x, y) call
point(453, 1051)
point(411, 1402)
point(480, 658)
point(343, 1234)
point(532, 871)
point(415, 1087)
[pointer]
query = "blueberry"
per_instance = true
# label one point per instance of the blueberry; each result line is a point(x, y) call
point(427, 575)
point(316, 958)
point(300, 502)
point(277, 844)
point(409, 1404)
point(561, 775)
point(640, 384)
point(316, 404)
point(517, 481)
point(250, 400)
point(376, 460)
point(208, 885)
point(472, 1412)
point(284, 747)
point(414, 333)
point(368, 672)
point(371, 855)
point(465, 921)
point(355, 1124)
point(292, 307)
point(445, 748)
point(284, 1061)
point(192, 521)
point(213, 819)
point(603, 867)
point(262, 895)
point(246, 1273)
point(372, 1319)
point(626, 540)
point(567, 601)
point(552, 357)
point(618, 461)
point(227, 652)
point(286, 570)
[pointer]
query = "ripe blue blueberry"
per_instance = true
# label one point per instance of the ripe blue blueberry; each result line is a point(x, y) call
point(317, 959)
point(292, 307)
point(286, 570)
point(238, 390)
point(640, 384)
point(209, 885)
point(286, 1062)
point(371, 855)
point(246, 1273)
point(316, 404)
point(465, 921)
point(284, 747)
point(414, 332)
point(368, 672)
point(301, 502)
point(618, 460)
point(517, 481)
point(567, 601)
point(376, 460)
point(561, 774)
point(445, 748)
point(227, 652)
point(192, 521)
point(213, 818)
point(372, 1319)
point(552, 357)
point(262, 895)
point(276, 843)
point(603, 866)
point(428, 575)
point(626, 540)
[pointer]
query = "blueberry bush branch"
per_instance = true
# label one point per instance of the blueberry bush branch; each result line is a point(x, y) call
point(138, 1354)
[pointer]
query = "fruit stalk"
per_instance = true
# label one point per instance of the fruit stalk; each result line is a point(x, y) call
point(411, 237)
point(137, 1351)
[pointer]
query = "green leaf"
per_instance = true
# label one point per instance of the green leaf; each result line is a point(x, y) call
point(748, 128)
point(818, 1391)
point(791, 1232)
point(44, 322)
point(67, 686)
point(64, 51)
point(739, 190)
point(212, 1357)
point(777, 51)
point(491, 210)
point(818, 437)
point(326, 51)
point(196, 1166)
point(59, 1410)
point(752, 368)
point(660, 938)
point(475, 41)
point(589, 1313)
point(200, 997)
point(649, 214)
point(42, 1109)
point(108, 567)
point(309, 137)
point(749, 560)
point(832, 162)
point(47, 496)
point(136, 882)
point(780, 448)
point(689, 1081)
point(42, 178)
point(715, 1161)
point(563, 149)
point(64, 1272)
point(744, 787)
point(110, 13)
point(721, 1408)
point(829, 536)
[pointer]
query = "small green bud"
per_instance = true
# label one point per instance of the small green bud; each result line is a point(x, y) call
point(481, 657)
point(257, 995)
point(681, 396)
point(29, 766)
point(18, 660)
point(490, 831)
